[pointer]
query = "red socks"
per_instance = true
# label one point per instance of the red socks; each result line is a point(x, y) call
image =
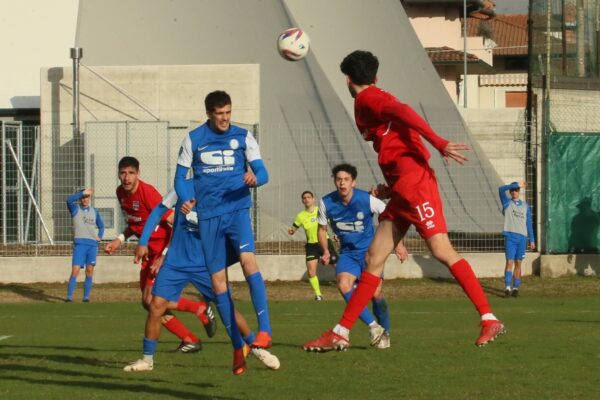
point(188, 305)
point(363, 293)
point(177, 328)
point(463, 273)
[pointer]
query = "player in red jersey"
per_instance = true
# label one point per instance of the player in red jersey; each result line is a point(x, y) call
point(395, 130)
point(137, 199)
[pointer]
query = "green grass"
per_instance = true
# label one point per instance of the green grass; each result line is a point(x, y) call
point(77, 351)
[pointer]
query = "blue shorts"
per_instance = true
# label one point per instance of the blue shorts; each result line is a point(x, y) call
point(351, 262)
point(171, 281)
point(515, 247)
point(224, 237)
point(84, 254)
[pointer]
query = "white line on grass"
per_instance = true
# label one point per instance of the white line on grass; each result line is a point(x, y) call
point(4, 337)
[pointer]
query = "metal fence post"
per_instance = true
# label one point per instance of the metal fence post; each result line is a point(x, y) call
point(4, 165)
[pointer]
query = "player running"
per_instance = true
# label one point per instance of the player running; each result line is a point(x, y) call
point(395, 130)
point(517, 227)
point(184, 263)
point(350, 212)
point(137, 199)
point(218, 153)
point(307, 219)
point(85, 241)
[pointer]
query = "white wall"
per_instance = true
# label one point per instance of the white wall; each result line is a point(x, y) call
point(35, 34)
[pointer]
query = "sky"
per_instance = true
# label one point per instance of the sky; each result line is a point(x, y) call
point(511, 6)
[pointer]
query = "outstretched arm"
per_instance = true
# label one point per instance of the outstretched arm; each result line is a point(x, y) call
point(403, 114)
point(184, 163)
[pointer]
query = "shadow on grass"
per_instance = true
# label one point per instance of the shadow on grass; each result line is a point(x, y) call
point(62, 358)
point(69, 348)
point(490, 290)
point(44, 370)
point(29, 292)
point(135, 390)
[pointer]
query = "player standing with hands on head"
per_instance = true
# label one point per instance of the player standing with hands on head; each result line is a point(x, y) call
point(219, 154)
point(85, 241)
point(137, 199)
point(307, 219)
point(395, 130)
point(350, 212)
point(517, 228)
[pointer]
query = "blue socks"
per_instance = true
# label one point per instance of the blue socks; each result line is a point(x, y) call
point(149, 346)
point(517, 283)
point(258, 293)
point(508, 276)
point(250, 338)
point(87, 287)
point(380, 309)
point(365, 316)
point(71, 287)
point(227, 314)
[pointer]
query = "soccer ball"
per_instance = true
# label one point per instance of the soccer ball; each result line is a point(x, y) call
point(293, 44)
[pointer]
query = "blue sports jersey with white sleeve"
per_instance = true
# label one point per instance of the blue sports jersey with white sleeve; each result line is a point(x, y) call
point(352, 222)
point(185, 249)
point(219, 164)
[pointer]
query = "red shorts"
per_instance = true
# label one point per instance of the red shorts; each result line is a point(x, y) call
point(155, 249)
point(415, 200)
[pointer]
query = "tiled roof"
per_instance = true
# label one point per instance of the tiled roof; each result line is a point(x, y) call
point(448, 54)
point(508, 31)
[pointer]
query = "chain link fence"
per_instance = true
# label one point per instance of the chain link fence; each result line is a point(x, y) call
point(56, 164)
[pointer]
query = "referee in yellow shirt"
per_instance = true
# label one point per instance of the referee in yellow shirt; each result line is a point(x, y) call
point(307, 220)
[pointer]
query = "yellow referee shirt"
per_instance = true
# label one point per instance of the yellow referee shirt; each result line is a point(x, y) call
point(308, 222)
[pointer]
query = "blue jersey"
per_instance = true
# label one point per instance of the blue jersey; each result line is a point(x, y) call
point(219, 162)
point(185, 249)
point(352, 222)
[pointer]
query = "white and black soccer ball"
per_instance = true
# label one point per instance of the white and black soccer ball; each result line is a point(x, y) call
point(293, 44)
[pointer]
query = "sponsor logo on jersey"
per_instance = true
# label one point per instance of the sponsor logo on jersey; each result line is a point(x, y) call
point(352, 226)
point(132, 218)
point(217, 160)
point(89, 220)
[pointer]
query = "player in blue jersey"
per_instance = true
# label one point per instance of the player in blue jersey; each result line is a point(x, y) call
point(350, 212)
point(85, 241)
point(517, 228)
point(219, 154)
point(183, 264)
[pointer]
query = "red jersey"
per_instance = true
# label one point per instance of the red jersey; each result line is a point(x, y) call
point(139, 205)
point(395, 130)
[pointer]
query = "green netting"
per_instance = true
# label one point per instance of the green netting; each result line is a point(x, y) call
point(573, 193)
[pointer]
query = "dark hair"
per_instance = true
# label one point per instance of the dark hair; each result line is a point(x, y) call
point(129, 161)
point(361, 66)
point(216, 99)
point(349, 168)
point(307, 192)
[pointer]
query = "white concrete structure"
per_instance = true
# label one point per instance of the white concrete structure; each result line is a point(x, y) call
point(35, 34)
point(273, 268)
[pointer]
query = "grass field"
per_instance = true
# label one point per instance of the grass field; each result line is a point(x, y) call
point(50, 350)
